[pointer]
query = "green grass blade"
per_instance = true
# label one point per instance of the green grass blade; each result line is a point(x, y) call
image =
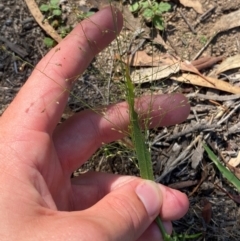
point(225, 172)
point(142, 152)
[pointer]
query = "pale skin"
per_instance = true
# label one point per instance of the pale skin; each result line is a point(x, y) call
point(39, 200)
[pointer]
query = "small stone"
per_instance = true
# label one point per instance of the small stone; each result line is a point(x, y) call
point(7, 10)
point(1, 6)
point(8, 22)
point(28, 26)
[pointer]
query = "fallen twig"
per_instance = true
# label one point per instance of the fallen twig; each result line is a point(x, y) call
point(186, 21)
point(183, 184)
point(15, 48)
point(204, 16)
point(173, 164)
point(197, 127)
point(214, 97)
point(229, 115)
point(205, 46)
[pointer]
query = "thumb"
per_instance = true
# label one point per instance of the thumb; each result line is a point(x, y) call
point(127, 211)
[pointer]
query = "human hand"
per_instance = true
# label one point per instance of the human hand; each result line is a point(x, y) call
point(39, 200)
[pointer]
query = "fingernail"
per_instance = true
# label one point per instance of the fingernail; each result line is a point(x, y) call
point(149, 194)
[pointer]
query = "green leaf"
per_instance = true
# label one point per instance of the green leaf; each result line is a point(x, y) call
point(154, 6)
point(142, 152)
point(164, 7)
point(63, 32)
point(44, 8)
point(158, 13)
point(148, 14)
point(54, 2)
point(57, 12)
point(49, 42)
point(54, 7)
point(225, 172)
point(158, 22)
point(134, 7)
point(145, 4)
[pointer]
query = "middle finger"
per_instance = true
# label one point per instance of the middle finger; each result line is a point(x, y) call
point(81, 135)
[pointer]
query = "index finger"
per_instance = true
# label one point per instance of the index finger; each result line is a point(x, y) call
point(35, 106)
